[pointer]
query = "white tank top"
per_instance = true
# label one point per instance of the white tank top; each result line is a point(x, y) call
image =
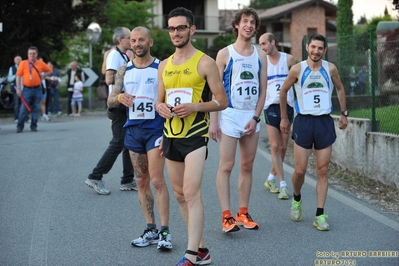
point(276, 75)
point(314, 90)
point(241, 80)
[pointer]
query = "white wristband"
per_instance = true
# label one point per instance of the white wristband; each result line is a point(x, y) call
point(217, 103)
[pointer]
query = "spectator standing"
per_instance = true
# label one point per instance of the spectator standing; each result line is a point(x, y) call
point(115, 59)
point(362, 78)
point(11, 79)
point(278, 65)
point(71, 81)
point(184, 100)
point(53, 95)
point(29, 76)
point(144, 128)
point(43, 102)
point(77, 97)
point(313, 126)
point(243, 68)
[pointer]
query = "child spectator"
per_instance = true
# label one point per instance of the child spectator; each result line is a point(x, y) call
point(77, 96)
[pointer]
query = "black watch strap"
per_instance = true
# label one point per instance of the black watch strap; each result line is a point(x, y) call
point(256, 118)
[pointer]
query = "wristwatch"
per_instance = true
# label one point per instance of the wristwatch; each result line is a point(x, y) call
point(345, 113)
point(256, 118)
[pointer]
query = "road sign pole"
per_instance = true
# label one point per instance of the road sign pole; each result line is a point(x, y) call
point(91, 65)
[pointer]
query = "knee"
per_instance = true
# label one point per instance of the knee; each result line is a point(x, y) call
point(226, 167)
point(247, 167)
point(322, 173)
point(179, 197)
point(158, 182)
point(299, 173)
point(274, 148)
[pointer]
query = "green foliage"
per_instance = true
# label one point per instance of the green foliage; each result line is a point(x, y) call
point(220, 42)
point(344, 41)
point(387, 116)
point(162, 47)
point(58, 28)
point(199, 43)
point(223, 40)
point(372, 24)
point(362, 20)
point(344, 18)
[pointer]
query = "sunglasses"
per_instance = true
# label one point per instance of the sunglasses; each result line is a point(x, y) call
point(179, 28)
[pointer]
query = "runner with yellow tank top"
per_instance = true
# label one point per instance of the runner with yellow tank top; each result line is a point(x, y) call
point(184, 85)
point(184, 101)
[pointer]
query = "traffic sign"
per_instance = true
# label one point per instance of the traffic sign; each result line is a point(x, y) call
point(92, 76)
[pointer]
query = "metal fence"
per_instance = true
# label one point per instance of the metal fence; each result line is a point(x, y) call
point(369, 70)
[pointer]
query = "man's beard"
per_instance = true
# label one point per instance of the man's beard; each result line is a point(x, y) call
point(184, 43)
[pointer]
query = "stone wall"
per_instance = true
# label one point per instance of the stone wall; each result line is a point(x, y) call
point(371, 154)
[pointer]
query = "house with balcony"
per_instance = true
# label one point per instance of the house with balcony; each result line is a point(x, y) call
point(206, 16)
point(291, 22)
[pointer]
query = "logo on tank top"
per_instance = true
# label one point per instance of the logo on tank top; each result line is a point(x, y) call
point(246, 75)
point(150, 81)
point(315, 85)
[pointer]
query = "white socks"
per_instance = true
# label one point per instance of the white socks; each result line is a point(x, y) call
point(271, 177)
point(282, 183)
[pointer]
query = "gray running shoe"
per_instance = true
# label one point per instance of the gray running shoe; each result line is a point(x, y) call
point(284, 194)
point(129, 186)
point(320, 222)
point(296, 211)
point(272, 185)
point(149, 237)
point(98, 186)
point(165, 240)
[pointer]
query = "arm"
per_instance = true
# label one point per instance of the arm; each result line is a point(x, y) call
point(290, 61)
point(289, 81)
point(343, 120)
point(18, 85)
point(117, 97)
point(110, 77)
point(263, 83)
point(214, 129)
point(161, 107)
point(11, 76)
point(103, 67)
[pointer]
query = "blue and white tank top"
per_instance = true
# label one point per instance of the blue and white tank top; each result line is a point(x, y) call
point(241, 80)
point(276, 75)
point(143, 83)
point(314, 90)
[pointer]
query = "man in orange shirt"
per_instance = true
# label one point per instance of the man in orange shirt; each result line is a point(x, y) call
point(28, 76)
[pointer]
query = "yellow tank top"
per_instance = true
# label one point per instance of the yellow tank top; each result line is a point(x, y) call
point(183, 84)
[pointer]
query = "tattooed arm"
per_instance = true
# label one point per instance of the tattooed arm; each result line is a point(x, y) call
point(117, 97)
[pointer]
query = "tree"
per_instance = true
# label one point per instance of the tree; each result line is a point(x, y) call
point(362, 20)
point(344, 38)
point(44, 24)
point(58, 28)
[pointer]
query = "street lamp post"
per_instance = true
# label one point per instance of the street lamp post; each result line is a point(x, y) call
point(93, 33)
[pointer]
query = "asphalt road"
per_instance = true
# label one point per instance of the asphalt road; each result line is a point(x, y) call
point(48, 216)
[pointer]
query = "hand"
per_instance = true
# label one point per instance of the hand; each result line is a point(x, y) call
point(343, 122)
point(126, 99)
point(184, 109)
point(284, 125)
point(250, 127)
point(214, 131)
point(165, 110)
